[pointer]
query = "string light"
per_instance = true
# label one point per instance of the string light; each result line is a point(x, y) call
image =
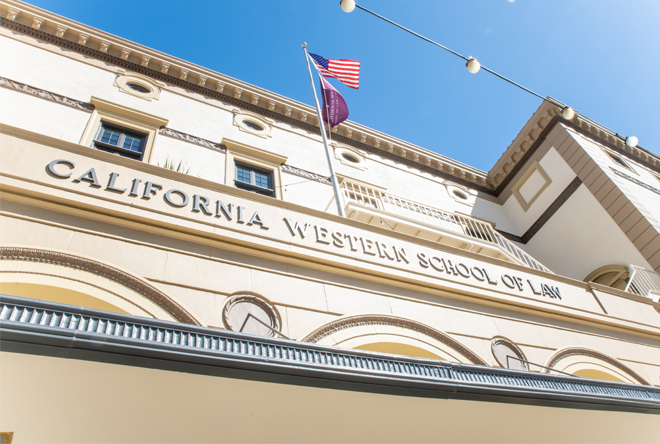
point(474, 66)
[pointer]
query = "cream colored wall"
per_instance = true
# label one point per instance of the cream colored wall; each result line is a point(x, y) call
point(582, 237)
point(202, 277)
point(192, 408)
point(202, 162)
point(560, 174)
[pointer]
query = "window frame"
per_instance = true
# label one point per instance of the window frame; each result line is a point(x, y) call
point(129, 119)
point(108, 147)
point(621, 163)
point(252, 185)
point(238, 152)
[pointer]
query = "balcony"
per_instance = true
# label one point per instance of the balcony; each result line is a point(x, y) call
point(644, 282)
point(375, 207)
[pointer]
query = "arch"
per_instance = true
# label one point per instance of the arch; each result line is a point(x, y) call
point(63, 277)
point(615, 276)
point(593, 364)
point(381, 333)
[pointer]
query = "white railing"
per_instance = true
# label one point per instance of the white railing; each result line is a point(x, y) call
point(456, 223)
point(643, 282)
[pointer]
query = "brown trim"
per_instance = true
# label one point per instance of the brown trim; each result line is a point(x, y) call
point(67, 260)
point(579, 351)
point(394, 321)
point(42, 35)
point(547, 214)
point(544, 134)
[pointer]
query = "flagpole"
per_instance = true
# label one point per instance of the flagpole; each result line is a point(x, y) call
point(333, 177)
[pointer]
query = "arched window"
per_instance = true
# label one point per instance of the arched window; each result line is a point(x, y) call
point(615, 276)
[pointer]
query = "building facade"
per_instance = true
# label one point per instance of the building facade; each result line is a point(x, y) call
point(174, 267)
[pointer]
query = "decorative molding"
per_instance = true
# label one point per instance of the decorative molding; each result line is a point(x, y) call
point(497, 340)
point(169, 132)
point(60, 31)
point(47, 95)
point(579, 351)
point(124, 54)
point(37, 22)
point(202, 81)
point(12, 13)
point(393, 321)
point(82, 39)
point(306, 174)
point(266, 306)
point(145, 60)
point(164, 67)
point(236, 100)
point(100, 269)
point(547, 214)
point(183, 75)
point(520, 163)
point(637, 181)
point(104, 46)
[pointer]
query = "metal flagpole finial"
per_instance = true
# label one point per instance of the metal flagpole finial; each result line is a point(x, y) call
point(304, 45)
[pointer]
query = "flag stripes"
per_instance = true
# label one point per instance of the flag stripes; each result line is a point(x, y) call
point(346, 71)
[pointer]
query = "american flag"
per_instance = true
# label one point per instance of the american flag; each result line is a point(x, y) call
point(346, 71)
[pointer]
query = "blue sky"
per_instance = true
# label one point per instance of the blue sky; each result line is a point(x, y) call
point(599, 56)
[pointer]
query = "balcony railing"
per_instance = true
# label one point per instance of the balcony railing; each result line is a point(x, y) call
point(457, 224)
point(644, 282)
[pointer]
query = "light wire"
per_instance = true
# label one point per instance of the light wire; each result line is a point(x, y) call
point(550, 100)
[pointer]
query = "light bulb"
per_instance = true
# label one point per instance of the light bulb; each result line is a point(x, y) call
point(473, 65)
point(632, 141)
point(347, 5)
point(568, 113)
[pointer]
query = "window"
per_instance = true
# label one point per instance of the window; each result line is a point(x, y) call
point(253, 169)
point(254, 179)
point(120, 140)
point(138, 85)
point(120, 130)
point(619, 161)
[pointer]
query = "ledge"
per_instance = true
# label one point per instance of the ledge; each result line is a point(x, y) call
point(60, 330)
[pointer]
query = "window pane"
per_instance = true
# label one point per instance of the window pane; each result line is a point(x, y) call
point(242, 174)
point(110, 136)
point(132, 143)
point(261, 179)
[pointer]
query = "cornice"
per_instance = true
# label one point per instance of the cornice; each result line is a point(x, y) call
point(94, 43)
point(537, 129)
point(33, 326)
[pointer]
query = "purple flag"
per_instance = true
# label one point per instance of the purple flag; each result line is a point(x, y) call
point(334, 109)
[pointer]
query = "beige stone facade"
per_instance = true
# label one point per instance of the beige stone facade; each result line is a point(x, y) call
point(435, 259)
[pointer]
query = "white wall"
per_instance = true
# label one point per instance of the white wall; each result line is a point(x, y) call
point(582, 237)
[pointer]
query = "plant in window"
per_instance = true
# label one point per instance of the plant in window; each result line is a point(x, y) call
point(170, 164)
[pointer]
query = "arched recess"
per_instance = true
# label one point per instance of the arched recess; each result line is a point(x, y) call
point(63, 277)
point(392, 334)
point(592, 364)
point(615, 276)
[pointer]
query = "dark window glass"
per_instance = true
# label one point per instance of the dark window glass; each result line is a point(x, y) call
point(350, 158)
point(254, 179)
point(139, 88)
point(120, 140)
point(253, 125)
point(619, 161)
